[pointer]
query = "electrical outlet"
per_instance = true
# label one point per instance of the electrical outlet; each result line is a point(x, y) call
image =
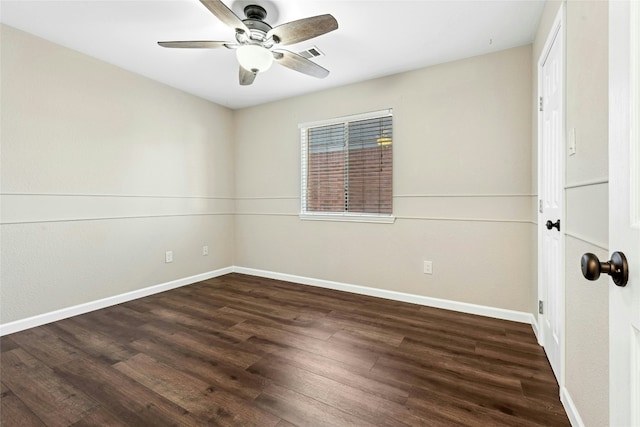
point(168, 256)
point(205, 250)
point(428, 267)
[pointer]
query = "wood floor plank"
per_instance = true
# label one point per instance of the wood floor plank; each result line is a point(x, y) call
point(243, 350)
point(343, 373)
point(41, 343)
point(392, 338)
point(420, 325)
point(206, 345)
point(422, 349)
point(340, 352)
point(51, 399)
point(7, 343)
point(104, 322)
point(182, 389)
point(13, 412)
point(368, 407)
point(191, 393)
point(212, 370)
point(100, 417)
point(288, 322)
point(443, 410)
point(198, 308)
point(508, 354)
point(125, 398)
point(478, 393)
point(208, 324)
point(91, 342)
point(161, 328)
point(301, 410)
point(424, 358)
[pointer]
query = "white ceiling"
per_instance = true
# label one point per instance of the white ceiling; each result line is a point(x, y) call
point(375, 38)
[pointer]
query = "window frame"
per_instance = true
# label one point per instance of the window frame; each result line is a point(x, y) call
point(304, 157)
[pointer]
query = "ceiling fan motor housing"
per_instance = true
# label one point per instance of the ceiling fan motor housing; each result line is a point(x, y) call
point(255, 23)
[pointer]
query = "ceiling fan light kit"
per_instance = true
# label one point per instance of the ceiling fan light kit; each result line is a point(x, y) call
point(253, 57)
point(257, 43)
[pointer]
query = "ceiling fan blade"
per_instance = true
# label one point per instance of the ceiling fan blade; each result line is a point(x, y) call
point(198, 44)
point(247, 77)
point(226, 15)
point(303, 29)
point(299, 63)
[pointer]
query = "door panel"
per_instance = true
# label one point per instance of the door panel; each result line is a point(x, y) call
point(551, 188)
point(624, 210)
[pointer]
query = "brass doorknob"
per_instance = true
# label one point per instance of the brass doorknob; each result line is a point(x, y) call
point(617, 267)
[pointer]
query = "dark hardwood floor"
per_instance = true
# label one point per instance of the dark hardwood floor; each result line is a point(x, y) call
point(242, 350)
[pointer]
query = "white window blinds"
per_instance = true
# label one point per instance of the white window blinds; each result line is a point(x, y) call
point(347, 165)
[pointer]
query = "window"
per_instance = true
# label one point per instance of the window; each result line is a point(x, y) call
point(347, 168)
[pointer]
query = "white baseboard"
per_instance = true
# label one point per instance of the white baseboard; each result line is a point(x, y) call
point(498, 313)
point(42, 319)
point(570, 408)
point(534, 326)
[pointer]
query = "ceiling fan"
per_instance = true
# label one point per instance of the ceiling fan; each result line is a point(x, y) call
point(257, 44)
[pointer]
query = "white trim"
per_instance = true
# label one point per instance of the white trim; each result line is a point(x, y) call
point(43, 319)
point(354, 117)
point(348, 217)
point(386, 219)
point(587, 183)
point(570, 408)
point(268, 198)
point(266, 214)
point(461, 195)
point(602, 245)
point(558, 25)
point(463, 307)
point(535, 327)
point(113, 218)
point(136, 196)
point(443, 218)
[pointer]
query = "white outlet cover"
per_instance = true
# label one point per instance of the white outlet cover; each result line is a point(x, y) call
point(168, 256)
point(428, 267)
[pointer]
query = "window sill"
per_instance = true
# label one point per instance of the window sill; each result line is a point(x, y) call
point(381, 219)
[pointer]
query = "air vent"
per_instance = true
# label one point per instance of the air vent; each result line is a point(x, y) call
point(312, 52)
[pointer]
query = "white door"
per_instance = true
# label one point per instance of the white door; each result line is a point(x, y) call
point(624, 210)
point(551, 191)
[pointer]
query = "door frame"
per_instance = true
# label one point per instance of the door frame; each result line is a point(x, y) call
point(558, 29)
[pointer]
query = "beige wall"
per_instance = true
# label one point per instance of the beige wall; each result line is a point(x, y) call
point(462, 185)
point(586, 303)
point(102, 172)
point(587, 329)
